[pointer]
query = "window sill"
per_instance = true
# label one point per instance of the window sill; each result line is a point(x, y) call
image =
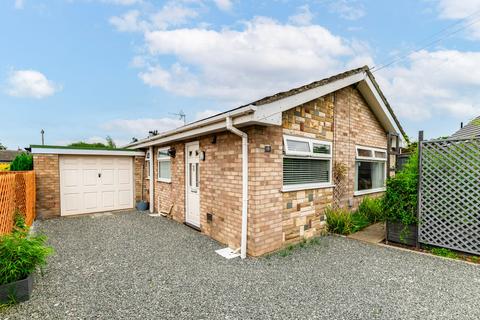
point(309, 186)
point(369, 191)
point(164, 180)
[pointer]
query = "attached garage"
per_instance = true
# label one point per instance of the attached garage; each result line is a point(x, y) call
point(72, 181)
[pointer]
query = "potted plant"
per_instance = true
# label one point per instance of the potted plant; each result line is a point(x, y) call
point(400, 204)
point(20, 255)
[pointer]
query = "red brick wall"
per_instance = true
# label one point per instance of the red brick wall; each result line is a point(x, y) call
point(47, 176)
point(275, 218)
point(355, 124)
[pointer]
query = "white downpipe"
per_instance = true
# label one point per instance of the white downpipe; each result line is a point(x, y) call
point(244, 136)
point(151, 180)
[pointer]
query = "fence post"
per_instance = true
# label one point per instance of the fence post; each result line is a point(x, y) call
point(419, 184)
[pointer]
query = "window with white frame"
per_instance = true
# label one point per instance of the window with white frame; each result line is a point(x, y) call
point(307, 163)
point(371, 169)
point(147, 164)
point(164, 165)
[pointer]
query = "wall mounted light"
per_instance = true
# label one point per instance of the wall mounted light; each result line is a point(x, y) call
point(202, 155)
point(172, 152)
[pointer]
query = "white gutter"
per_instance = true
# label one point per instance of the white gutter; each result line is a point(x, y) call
point(244, 136)
point(151, 180)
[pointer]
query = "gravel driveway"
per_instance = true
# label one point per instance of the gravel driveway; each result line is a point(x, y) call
point(132, 266)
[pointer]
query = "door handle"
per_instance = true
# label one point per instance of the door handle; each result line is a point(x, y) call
point(99, 175)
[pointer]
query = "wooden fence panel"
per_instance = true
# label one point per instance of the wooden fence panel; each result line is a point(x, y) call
point(17, 192)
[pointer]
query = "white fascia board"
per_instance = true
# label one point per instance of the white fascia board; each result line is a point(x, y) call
point(271, 113)
point(196, 128)
point(373, 98)
point(87, 152)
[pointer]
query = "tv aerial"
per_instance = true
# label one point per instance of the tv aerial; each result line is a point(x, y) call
point(181, 116)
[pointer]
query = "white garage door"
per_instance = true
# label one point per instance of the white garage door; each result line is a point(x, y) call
point(95, 183)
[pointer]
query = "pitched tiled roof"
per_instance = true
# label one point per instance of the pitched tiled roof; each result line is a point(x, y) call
point(471, 130)
point(8, 155)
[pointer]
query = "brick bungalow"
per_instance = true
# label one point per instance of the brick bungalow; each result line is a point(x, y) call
point(260, 176)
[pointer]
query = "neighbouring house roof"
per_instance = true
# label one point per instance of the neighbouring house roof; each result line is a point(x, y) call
point(471, 130)
point(45, 149)
point(267, 111)
point(8, 155)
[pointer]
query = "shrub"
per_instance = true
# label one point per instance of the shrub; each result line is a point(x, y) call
point(21, 253)
point(400, 200)
point(339, 221)
point(22, 162)
point(4, 166)
point(372, 209)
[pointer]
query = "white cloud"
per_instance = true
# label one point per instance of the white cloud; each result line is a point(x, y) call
point(206, 114)
point(170, 15)
point(303, 16)
point(239, 65)
point(19, 4)
point(30, 83)
point(464, 9)
point(140, 127)
point(348, 9)
point(123, 2)
point(455, 9)
point(441, 83)
point(129, 22)
point(225, 5)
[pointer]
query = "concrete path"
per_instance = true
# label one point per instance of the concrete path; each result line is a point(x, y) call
point(372, 234)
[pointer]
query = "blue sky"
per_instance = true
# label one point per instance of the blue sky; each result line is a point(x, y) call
point(85, 69)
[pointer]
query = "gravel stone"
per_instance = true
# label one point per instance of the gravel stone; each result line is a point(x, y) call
point(132, 266)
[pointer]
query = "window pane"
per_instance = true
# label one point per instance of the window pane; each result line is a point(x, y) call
point(370, 175)
point(294, 145)
point(300, 171)
point(381, 154)
point(196, 175)
point(190, 174)
point(163, 153)
point(364, 153)
point(164, 169)
point(321, 148)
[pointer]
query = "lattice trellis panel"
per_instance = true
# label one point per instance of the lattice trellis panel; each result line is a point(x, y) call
point(450, 194)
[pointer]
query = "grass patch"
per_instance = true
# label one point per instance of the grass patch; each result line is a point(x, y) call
point(305, 243)
point(444, 252)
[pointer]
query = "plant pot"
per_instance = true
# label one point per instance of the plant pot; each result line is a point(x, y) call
point(142, 205)
point(17, 291)
point(399, 233)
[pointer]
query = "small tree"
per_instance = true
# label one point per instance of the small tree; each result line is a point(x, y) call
point(2, 147)
point(22, 162)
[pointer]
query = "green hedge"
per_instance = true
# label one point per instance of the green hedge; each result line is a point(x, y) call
point(400, 200)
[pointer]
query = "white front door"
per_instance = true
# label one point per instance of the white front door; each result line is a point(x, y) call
point(192, 186)
point(95, 183)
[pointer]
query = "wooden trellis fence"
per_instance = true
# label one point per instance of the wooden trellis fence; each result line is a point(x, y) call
point(17, 192)
point(449, 194)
